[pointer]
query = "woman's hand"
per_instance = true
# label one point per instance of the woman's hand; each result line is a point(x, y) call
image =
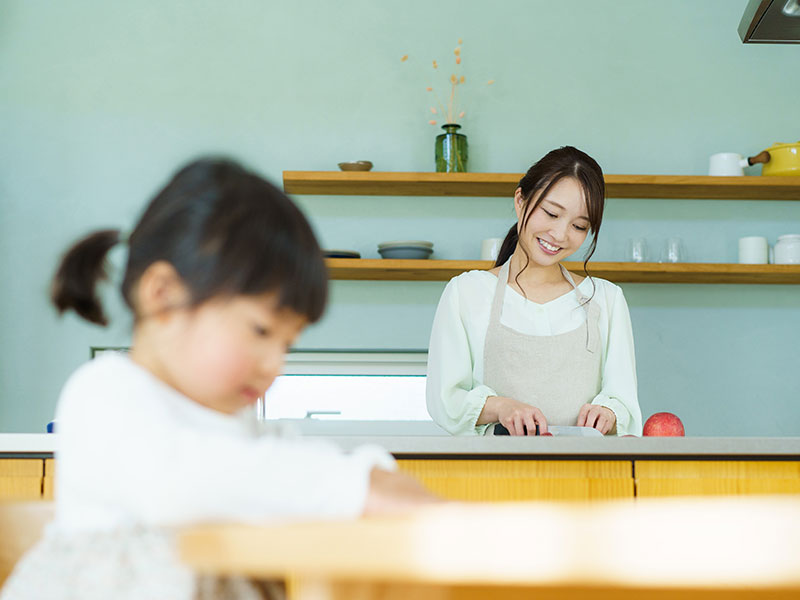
point(514, 415)
point(598, 417)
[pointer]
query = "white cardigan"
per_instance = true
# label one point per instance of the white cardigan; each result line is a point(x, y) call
point(132, 450)
point(455, 390)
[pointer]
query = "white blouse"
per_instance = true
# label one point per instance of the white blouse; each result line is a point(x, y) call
point(133, 450)
point(455, 390)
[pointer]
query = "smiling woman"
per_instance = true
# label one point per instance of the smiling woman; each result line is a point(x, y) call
point(553, 351)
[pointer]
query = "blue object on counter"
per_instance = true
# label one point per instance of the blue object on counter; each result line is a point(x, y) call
point(51, 427)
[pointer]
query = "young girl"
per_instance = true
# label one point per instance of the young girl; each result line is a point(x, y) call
point(223, 274)
point(527, 344)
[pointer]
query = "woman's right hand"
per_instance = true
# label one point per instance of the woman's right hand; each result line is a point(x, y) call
point(514, 415)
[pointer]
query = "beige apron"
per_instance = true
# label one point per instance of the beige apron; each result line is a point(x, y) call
point(558, 374)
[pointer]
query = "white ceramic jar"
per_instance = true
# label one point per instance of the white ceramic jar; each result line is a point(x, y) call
point(787, 250)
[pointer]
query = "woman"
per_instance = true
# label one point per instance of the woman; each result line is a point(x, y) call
point(527, 344)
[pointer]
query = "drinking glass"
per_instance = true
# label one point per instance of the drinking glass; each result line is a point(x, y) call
point(637, 250)
point(674, 251)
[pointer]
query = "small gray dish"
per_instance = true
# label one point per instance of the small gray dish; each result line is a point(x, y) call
point(405, 252)
point(355, 165)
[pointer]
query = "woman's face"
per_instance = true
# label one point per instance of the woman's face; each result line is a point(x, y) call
point(557, 227)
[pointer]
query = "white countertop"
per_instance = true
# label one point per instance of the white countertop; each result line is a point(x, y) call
point(38, 443)
point(407, 438)
point(609, 447)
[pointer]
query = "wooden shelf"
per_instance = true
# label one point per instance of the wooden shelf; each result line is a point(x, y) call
point(503, 185)
point(375, 269)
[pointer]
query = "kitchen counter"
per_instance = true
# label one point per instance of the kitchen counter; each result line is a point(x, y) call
point(504, 468)
point(348, 436)
point(578, 447)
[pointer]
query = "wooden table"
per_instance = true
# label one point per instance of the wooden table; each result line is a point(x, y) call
point(655, 548)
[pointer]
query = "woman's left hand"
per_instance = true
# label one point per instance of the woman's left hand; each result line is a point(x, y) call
point(598, 417)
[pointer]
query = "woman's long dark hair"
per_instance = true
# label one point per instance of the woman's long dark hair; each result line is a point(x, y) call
point(224, 229)
point(554, 166)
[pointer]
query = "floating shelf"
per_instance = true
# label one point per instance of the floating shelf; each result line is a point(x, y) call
point(374, 269)
point(503, 184)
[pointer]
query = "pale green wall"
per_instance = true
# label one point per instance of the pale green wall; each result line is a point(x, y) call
point(99, 102)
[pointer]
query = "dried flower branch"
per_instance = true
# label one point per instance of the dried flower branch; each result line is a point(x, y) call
point(450, 111)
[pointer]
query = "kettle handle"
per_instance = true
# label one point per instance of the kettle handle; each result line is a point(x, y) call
point(761, 157)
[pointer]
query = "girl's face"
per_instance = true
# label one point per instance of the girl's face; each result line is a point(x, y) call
point(225, 353)
point(558, 226)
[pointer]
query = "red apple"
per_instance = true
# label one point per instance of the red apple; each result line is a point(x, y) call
point(663, 424)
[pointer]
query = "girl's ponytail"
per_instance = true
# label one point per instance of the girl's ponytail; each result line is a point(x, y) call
point(74, 283)
point(508, 247)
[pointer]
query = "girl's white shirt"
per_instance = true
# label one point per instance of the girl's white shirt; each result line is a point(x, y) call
point(132, 450)
point(455, 390)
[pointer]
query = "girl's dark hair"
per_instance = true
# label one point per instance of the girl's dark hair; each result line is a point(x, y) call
point(224, 229)
point(554, 166)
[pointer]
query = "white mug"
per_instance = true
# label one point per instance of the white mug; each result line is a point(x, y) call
point(753, 250)
point(490, 248)
point(727, 164)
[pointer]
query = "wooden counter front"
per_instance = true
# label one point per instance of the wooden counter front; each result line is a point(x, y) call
point(504, 480)
point(21, 478)
point(716, 477)
point(523, 480)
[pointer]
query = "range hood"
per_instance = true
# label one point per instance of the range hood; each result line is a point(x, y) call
point(771, 22)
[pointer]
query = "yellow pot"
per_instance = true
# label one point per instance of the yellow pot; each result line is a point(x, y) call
point(779, 159)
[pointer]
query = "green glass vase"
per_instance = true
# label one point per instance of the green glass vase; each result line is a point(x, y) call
point(451, 150)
